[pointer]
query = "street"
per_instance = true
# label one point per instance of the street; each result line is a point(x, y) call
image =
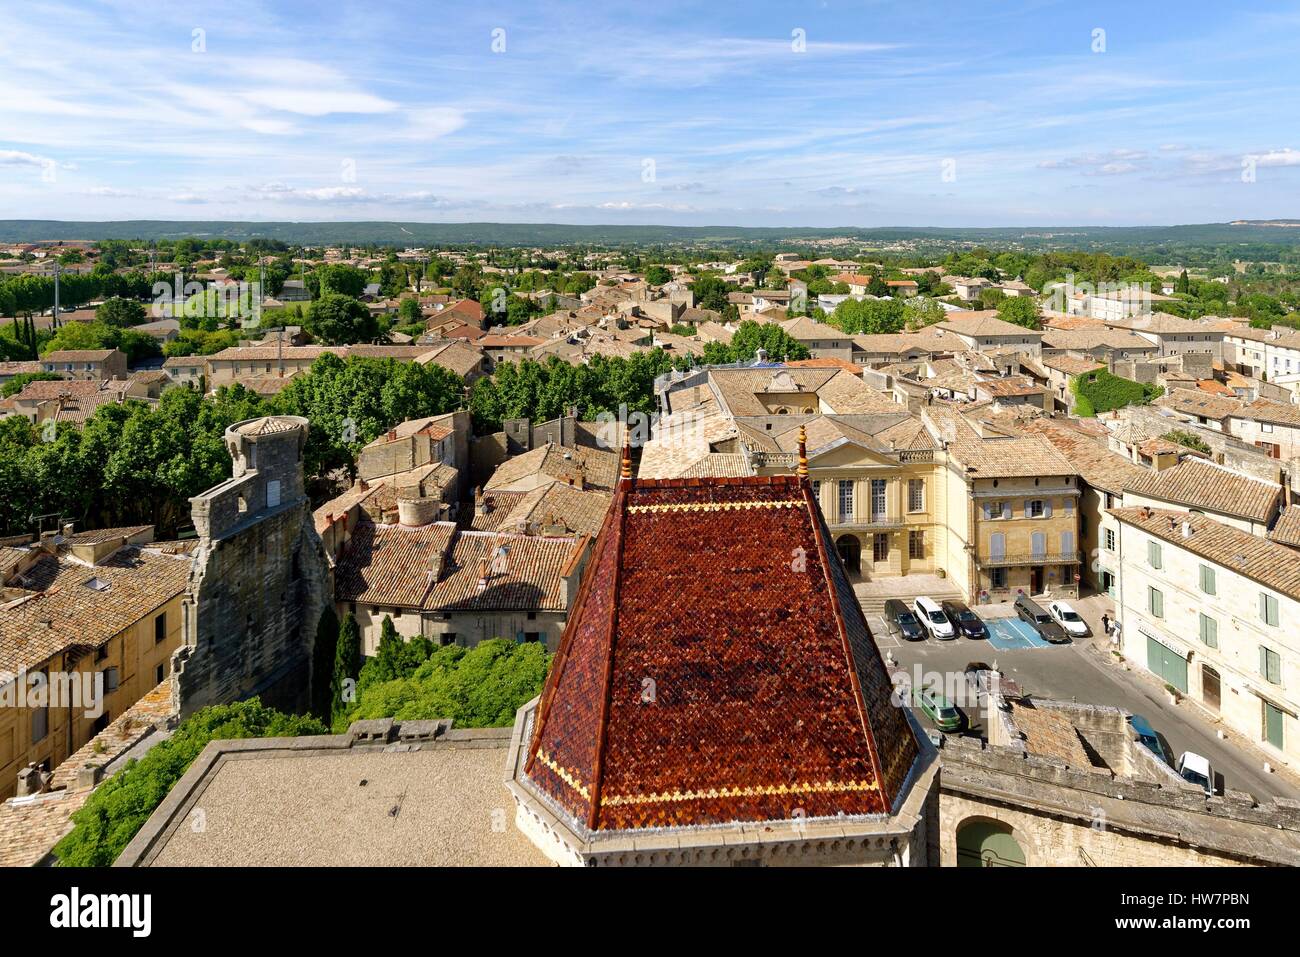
point(1084, 671)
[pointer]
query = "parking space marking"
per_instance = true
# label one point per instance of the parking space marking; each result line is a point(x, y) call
point(1007, 634)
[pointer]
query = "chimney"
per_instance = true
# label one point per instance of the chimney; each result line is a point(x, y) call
point(48, 543)
point(32, 780)
point(483, 571)
point(481, 505)
point(67, 530)
point(1187, 529)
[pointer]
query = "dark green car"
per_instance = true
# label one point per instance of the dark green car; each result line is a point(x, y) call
point(938, 709)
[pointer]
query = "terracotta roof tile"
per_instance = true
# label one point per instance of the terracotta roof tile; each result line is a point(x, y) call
point(1197, 483)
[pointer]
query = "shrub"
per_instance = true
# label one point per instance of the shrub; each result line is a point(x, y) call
point(118, 808)
point(1105, 391)
point(481, 687)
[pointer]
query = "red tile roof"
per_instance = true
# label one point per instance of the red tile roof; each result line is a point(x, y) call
point(770, 697)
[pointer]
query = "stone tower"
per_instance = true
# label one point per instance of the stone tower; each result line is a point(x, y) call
point(259, 578)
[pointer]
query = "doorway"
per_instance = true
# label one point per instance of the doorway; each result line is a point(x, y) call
point(850, 550)
point(1210, 688)
point(1036, 580)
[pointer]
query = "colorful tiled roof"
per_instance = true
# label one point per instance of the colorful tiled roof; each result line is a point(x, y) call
point(716, 668)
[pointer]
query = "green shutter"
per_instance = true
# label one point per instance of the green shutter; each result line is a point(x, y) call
point(1273, 721)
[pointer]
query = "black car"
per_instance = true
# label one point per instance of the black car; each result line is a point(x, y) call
point(966, 621)
point(901, 620)
point(1030, 611)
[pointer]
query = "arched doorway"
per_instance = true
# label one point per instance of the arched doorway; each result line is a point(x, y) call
point(985, 843)
point(850, 550)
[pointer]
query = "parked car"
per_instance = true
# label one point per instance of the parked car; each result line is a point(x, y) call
point(900, 621)
point(1030, 611)
point(938, 709)
point(932, 616)
point(1068, 618)
point(966, 621)
point(1147, 736)
point(1196, 769)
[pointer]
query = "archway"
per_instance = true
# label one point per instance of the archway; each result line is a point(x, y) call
point(850, 550)
point(986, 843)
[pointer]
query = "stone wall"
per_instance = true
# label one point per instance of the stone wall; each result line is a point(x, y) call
point(259, 578)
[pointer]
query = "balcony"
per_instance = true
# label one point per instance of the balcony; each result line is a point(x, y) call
point(878, 520)
point(1029, 558)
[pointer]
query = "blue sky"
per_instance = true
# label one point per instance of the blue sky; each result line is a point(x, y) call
point(789, 114)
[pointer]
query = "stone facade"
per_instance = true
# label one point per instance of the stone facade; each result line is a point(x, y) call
point(259, 578)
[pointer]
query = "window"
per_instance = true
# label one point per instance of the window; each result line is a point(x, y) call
point(997, 545)
point(1038, 545)
point(1273, 720)
point(532, 637)
point(272, 493)
point(1265, 427)
point(997, 578)
point(916, 495)
point(1270, 665)
point(1268, 609)
point(993, 510)
point(817, 490)
point(1110, 539)
point(1067, 543)
point(532, 616)
point(160, 629)
point(1207, 580)
point(916, 544)
point(880, 547)
point(159, 674)
point(846, 501)
point(1209, 631)
point(40, 724)
point(1155, 555)
point(110, 679)
point(1035, 508)
point(1155, 602)
point(877, 499)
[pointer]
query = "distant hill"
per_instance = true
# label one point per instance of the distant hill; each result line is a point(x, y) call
point(1273, 232)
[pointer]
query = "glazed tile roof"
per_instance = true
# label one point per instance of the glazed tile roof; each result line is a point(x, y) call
point(770, 699)
point(1197, 483)
point(1272, 565)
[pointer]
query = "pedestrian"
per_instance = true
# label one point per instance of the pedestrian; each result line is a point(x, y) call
point(1105, 623)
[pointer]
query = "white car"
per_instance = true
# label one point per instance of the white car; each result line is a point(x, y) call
point(1069, 619)
point(933, 618)
point(1196, 770)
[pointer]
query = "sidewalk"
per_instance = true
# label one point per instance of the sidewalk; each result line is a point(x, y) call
point(1102, 651)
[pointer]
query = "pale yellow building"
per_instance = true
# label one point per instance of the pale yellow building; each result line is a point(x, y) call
point(77, 610)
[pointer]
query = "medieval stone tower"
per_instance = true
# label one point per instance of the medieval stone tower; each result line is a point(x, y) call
point(259, 578)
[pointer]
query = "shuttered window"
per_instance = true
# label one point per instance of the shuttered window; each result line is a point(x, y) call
point(1209, 631)
point(1207, 580)
point(1155, 602)
point(1270, 665)
point(1155, 555)
point(1268, 609)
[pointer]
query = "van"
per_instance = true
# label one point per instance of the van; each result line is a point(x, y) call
point(932, 616)
point(1030, 611)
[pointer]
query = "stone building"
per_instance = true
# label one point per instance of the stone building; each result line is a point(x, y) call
point(259, 579)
